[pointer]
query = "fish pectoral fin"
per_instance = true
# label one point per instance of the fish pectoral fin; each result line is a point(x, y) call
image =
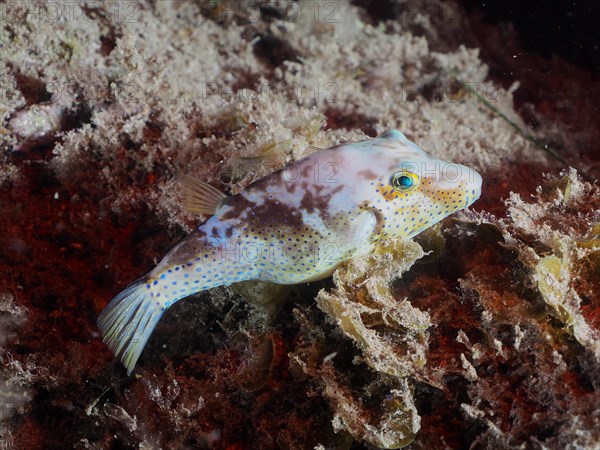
point(200, 197)
point(354, 229)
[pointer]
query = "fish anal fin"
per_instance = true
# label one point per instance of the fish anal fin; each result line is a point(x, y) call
point(200, 197)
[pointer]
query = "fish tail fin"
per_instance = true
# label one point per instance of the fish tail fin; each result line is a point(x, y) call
point(128, 321)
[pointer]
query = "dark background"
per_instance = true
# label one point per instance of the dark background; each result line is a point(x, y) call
point(569, 29)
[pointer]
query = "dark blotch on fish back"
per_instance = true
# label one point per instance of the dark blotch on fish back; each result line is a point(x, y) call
point(238, 204)
point(319, 200)
point(273, 213)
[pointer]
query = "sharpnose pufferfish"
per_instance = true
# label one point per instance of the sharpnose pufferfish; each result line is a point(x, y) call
point(296, 225)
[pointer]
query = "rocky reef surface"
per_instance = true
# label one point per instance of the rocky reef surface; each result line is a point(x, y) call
point(483, 332)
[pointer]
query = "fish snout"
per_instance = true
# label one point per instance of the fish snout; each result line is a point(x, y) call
point(462, 180)
point(472, 181)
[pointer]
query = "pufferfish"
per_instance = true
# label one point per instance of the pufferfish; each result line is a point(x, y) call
point(293, 226)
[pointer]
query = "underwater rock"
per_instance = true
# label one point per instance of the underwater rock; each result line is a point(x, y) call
point(37, 124)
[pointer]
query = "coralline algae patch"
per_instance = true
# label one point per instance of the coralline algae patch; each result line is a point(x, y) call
point(482, 333)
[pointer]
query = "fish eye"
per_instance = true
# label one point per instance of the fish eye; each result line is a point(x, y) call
point(404, 181)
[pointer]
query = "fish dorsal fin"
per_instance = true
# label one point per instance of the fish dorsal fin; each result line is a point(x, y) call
point(273, 154)
point(394, 135)
point(200, 197)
